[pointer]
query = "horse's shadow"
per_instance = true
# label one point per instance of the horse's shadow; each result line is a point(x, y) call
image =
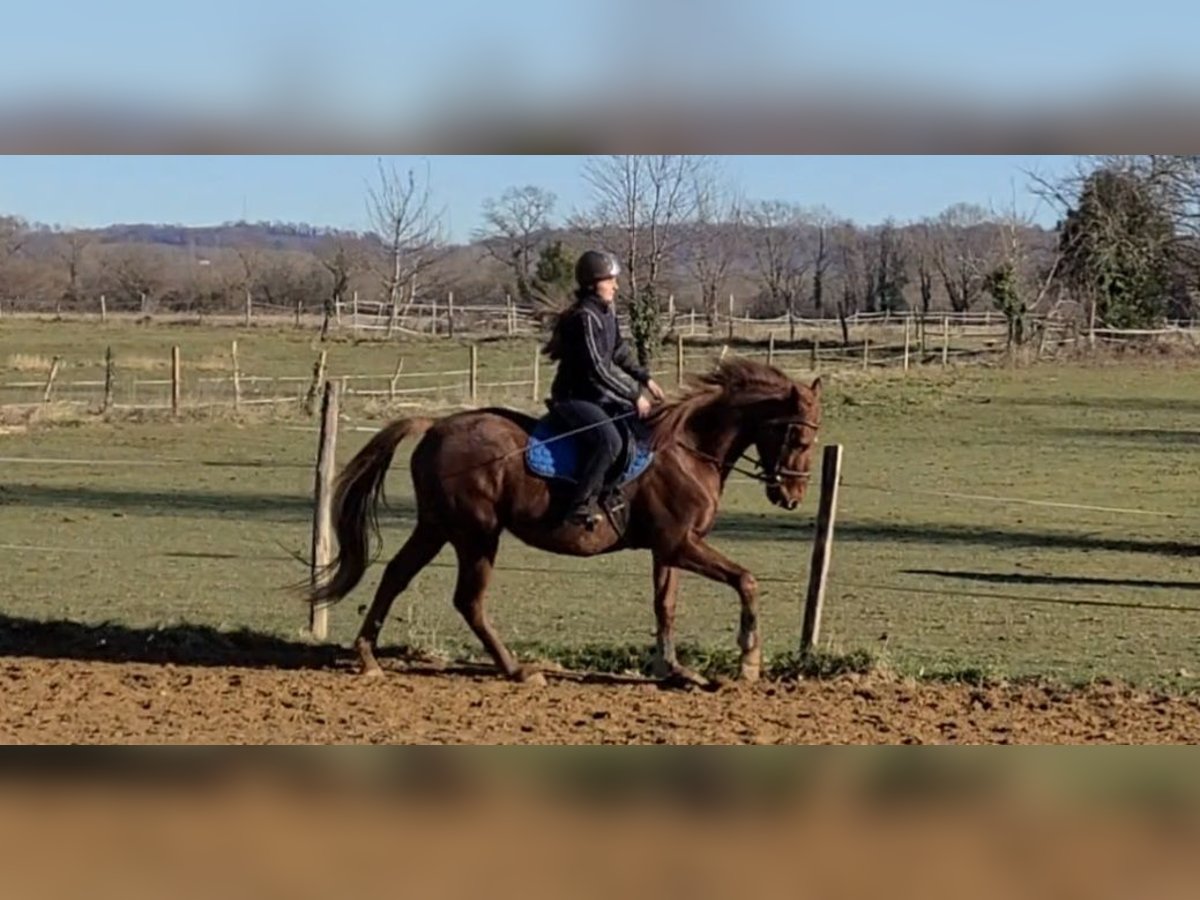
point(208, 647)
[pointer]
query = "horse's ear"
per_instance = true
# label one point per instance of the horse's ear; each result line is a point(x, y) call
point(815, 387)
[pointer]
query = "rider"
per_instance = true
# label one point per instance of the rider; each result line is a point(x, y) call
point(598, 378)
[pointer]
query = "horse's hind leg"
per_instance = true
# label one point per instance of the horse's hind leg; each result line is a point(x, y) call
point(475, 563)
point(418, 551)
point(666, 666)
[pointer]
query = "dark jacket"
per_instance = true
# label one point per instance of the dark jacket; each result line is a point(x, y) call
point(595, 362)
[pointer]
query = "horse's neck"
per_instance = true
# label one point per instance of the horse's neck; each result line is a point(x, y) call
point(720, 432)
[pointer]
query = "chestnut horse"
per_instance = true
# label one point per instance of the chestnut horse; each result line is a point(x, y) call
point(472, 484)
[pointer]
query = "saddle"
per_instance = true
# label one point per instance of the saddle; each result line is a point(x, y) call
point(554, 457)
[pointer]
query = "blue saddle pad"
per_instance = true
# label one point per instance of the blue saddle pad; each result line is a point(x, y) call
point(550, 456)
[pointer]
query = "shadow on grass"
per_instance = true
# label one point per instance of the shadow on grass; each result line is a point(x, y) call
point(749, 526)
point(1080, 580)
point(266, 507)
point(1161, 438)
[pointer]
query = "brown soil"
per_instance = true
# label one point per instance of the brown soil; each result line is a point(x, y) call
point(68, 700)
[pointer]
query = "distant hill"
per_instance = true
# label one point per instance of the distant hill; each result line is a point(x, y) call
point(267, 235)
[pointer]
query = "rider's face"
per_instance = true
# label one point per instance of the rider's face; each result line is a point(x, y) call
point(606, 289)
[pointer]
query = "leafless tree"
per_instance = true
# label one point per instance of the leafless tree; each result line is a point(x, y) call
point(400, 212)
point(251, 264)
point(885, 267)
point(135, 272)
point(13, 234)
point(779, 254)
point(639, 202)
point(341, 256)
point(515, 226)
point(962, 243)
point(822, 221)
point(853, 275)
point(69, 251)
point(714, 241)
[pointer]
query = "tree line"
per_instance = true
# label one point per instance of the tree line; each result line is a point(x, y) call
point(1124, 252)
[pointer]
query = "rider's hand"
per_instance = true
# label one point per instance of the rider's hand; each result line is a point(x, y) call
point(655, 391)
point(643, 406)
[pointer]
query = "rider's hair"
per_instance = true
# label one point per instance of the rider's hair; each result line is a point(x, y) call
point(553, 349)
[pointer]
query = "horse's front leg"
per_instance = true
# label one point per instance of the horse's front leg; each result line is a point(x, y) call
point(697, 556)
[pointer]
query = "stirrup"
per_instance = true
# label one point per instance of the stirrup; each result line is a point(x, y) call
point(588, 516)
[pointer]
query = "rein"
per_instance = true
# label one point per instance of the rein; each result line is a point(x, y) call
point(759, 473)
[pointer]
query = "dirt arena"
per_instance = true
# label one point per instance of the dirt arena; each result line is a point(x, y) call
point(60, 700)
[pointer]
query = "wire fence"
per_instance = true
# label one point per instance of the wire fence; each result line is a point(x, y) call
point(791, 579)
point(444, 317)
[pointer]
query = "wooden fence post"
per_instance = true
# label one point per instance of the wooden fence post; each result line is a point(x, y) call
point(176, 378)
point(315, 386)
point(818, 573)
point(450, 314)
point(731, 317)
point(537, 373)
point(945, 341)
point(394, 383)
point(866, 350)
point(473, 377)
point(322, 535)
point(237, 378)
point(54, 367)
point(109, 375)
point(907, 322)
point(679, 359)
point(249, 309)
point(771, 348)
point(103, 309)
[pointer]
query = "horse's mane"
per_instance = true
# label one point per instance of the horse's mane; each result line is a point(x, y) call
point(736, 382)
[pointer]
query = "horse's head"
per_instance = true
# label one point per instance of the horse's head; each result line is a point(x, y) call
point(785, 439)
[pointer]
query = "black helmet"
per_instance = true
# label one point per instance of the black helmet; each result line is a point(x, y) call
point(595, 265)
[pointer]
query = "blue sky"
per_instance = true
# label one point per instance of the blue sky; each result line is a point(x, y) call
point(401, 68)
point(88, 191)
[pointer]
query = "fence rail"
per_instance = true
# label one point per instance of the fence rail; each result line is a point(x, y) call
point(445, 318)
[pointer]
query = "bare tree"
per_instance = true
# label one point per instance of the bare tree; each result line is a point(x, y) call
point(822, 221)
point(885, 268)
point(779, 254)
point(714, 240)
point(639, 202)
point(250, 269)
point(13, 234)
point(399, 211)
point(136, 273)
point(340, 255)
point(962, 245)
point(69, 251)
point(516, 225)
point(853, 274)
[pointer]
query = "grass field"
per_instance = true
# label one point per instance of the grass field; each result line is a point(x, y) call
point(201, 523)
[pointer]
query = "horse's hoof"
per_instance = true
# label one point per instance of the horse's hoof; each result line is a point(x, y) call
point(679, 677)
point(371, 671)
point(531, 677)
point(751, 664)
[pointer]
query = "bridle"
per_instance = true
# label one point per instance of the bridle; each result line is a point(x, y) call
point(775, 473)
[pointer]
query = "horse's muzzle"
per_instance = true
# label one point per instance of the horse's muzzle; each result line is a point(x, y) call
point(776, 495)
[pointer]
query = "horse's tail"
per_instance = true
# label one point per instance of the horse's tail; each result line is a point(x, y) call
point(356, 498)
